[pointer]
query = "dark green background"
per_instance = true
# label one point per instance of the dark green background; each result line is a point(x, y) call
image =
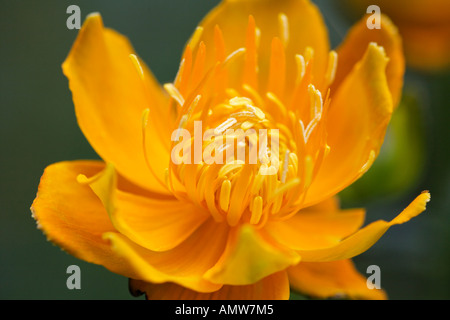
point(38, 127)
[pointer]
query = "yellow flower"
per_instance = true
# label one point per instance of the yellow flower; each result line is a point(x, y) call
point(424, 27)
point(235, 230)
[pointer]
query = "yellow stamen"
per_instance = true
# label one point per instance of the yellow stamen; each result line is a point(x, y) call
point(258, 36)
point(240, 101)
point(246, 125)
point(256, 210)
point(285, 187)
point(174, 93)
point(257, 183)
point(196, 37)
point(301, 67)
point(144, 123)
point(255, 95)
point(294, 160)
point(219, 43)
point(331, 67)
point(283, 24)
point(238, 196)
point(225, 125)
point(137, 65)
point(309, 54)
point(285, 166)
point(258, 112)
point(312, 100)
point(281, 107)
point(184, 71)
point(237, 53)
point(231, 92)
point(179, 73)
point(225, 192)
point(278, 201)
point(368, 163)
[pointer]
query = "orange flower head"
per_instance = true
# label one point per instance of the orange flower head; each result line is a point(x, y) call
point(222, 184)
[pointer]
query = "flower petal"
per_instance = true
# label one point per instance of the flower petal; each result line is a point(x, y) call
point(250, 256)
point(273, 287)
point(331, 279)
point(355, 44)
point(184, 265)
point(155, 224)
point(73, 217)
point(357, 121)
point(305, 27)
point(310, 229)
point(366, 237)
point(110, 97)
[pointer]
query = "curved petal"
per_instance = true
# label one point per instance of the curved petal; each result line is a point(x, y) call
point(273, 287)
point(158, 225)
point(356, 124)
point(305, 27)
point(332, 279)
point(250, 256)
point(366, 237)
point(110, 97)
point(309, 229)
point(355, 44)
point(73, 217)
point(155, 224)
point(184, 265)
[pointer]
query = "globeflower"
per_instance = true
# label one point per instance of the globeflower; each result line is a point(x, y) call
point(233, 229)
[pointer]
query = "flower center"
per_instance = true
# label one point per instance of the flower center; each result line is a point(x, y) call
point(246, 154)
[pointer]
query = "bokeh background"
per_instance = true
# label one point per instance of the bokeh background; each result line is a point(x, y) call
point(38, 127)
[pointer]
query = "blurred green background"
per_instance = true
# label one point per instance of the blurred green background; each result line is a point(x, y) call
point(38, 127)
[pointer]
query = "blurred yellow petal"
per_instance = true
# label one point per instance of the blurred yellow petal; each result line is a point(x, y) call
point(273, 287)
point(366, 237)
point(336, 279)
point(309, 230)
point(110, 96)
